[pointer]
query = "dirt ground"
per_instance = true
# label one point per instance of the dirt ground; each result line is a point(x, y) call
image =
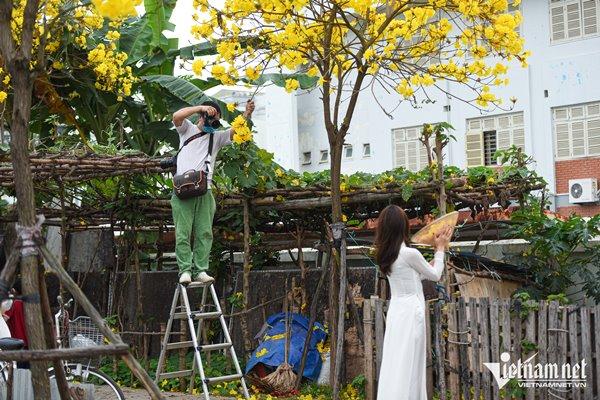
point(136, 394)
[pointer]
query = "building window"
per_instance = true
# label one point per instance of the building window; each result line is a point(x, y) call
point(366, 150)
point(306, 158)
point(486, 135)
point(348, 151)
point(577, 130)
point(409, 152)
point(489, 147)
point(324, 156)
point(572, 19)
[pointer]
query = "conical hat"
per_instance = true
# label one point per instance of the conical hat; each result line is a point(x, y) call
point(426, 235)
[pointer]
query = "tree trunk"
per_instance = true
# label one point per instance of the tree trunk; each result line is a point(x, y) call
point(336, 144)
point(26, 209)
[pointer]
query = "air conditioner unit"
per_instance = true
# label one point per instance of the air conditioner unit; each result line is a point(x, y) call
point(583, 190)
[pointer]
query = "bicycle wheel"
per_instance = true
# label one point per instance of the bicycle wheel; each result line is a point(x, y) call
point(104, 387)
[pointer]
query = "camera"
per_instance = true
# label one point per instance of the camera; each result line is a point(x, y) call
point(210, 120)
point(169, 163)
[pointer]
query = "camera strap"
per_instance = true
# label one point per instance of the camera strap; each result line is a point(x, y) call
point(210, 149)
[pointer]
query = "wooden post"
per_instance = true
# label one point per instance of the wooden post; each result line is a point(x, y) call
point(573, 346)
point(454, 382)
point(368, 351)
point(428, 356)
point(313, 317)
point(586, 352)
point(246, 278)
point(439, 350)
point(542, 338)
point(475, 347)
point(463, 339)
point(495, 341)
point(59, 372)
point(89, 309)
point(530, 337)
point(484, 323)
point(379, 332)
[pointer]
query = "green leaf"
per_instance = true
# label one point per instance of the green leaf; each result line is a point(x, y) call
point(189, 93)
point(136, 40)
point(158, 13)
point(305, 81)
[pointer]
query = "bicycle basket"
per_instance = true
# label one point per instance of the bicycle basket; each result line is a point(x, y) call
point(83, 333)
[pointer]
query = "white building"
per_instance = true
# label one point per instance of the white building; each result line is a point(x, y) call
point(556, 118)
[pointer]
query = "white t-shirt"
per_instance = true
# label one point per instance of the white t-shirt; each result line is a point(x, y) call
point(194, 155)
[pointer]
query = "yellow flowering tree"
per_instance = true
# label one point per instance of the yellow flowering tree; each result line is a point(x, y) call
point(410, 46)
point(30, 35)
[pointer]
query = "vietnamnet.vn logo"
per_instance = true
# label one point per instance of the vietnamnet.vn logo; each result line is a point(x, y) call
point(529, 374)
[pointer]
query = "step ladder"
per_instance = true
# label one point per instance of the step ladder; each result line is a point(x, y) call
point(180, 309)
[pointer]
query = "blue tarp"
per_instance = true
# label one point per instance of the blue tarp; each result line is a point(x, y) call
point(271, 350)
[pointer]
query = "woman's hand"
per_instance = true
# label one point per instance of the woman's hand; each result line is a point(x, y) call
point(442, 239)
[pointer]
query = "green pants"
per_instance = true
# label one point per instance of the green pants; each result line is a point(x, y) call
point(193, 216)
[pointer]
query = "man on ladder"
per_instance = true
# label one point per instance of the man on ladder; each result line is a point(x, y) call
point(195, 213)
point(193, 208)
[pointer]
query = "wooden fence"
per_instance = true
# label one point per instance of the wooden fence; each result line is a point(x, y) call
point(462, 335)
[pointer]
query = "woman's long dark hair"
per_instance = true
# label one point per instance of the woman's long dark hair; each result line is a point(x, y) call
point(392, 230)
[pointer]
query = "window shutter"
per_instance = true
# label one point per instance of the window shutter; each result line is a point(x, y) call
point(590, 17)
point(593, 131)
point(577, 139)
point(503, 139)
point(401, 154)
point(573, 20)
point(413, 155)
point(518, 138)
point(562, 140)
point(557, 22)
point(474, 147)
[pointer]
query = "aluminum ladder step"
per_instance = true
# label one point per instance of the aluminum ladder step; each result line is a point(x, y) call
point(176, 374)
point(198, 315)
point(205, 347)
point(223, 378)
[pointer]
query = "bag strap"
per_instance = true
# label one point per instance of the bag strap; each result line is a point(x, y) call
point(207, 163)
point(190, 139)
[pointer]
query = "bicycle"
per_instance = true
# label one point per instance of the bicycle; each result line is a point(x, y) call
point(77, 333)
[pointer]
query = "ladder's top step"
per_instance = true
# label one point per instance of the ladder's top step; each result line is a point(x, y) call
point(194, 285)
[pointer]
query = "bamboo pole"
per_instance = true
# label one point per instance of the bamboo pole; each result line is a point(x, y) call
point(59, 372)
point(113, 337)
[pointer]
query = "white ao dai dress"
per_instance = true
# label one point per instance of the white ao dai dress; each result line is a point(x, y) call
point(402, 374)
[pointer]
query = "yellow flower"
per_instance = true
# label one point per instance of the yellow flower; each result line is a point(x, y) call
point(3, 96)
point(116, 9)
point(291, 85)
point(6, 80)
point(57, 65)
point(252, 73)
point(231, 107)
point(279, 172)
point(113, 35)
point(198, 66)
